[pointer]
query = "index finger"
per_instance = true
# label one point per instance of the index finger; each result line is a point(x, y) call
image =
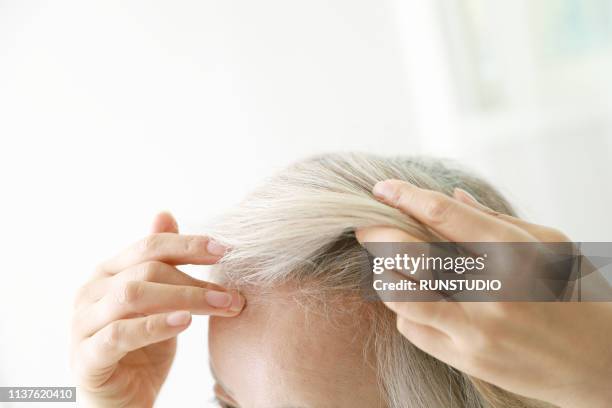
point(541, 232)
point(170, 248)
point(450, 218)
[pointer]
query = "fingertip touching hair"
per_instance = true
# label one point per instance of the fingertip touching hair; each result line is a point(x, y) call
point(298, 227)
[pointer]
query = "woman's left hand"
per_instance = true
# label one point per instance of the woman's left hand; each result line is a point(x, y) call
point(560, 353)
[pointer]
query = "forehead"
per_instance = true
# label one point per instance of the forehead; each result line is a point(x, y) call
point(279, 352)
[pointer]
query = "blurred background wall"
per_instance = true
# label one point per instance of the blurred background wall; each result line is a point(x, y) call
point(112, 110)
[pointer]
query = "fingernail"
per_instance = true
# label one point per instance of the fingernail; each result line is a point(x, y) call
point(218, 299)
point(177, 319)
point(215, 248)
point(238, 302)
point(382, 190)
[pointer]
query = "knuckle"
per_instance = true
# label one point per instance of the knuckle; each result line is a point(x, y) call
point(150, 271)
point(478, 345)
point(193, 244)
point(402, 325)
point(500, 311)
point(150, 327)
point(396, 196)
point(438, 208)
point(190, 295)
point(189, 244)
point(129, 292)
point(111, 336)
point(554, 235)
point(150, 243)
point(100, 269)
point(485, 337)
point(511, 233)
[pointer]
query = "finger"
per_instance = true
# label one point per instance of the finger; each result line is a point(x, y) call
point(540, 232)
point(166, 247)
point(396, 243)
point(109, 345)
point(383, 234)
point(452, 219)
point(135, 298)
point(164, 222)
point(447, 317)
point(152, 271)
point(430, 340)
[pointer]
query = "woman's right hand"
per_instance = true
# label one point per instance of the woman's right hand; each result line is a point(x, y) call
point(128, 315)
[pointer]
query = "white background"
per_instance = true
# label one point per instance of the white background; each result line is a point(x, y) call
point(112, 110)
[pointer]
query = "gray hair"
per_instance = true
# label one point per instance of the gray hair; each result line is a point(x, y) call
point(296, 224)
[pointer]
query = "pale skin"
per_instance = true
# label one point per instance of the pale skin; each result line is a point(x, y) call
point(128, 315)
point(560, 353)
point(277, 354)
point(124, 333)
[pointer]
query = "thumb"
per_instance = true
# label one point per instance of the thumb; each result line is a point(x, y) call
point(164, 222)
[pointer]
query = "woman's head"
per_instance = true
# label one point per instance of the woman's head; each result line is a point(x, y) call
point(307, 337)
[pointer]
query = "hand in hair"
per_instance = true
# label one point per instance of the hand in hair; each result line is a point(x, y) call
point(555, 352)
point(128, 315)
